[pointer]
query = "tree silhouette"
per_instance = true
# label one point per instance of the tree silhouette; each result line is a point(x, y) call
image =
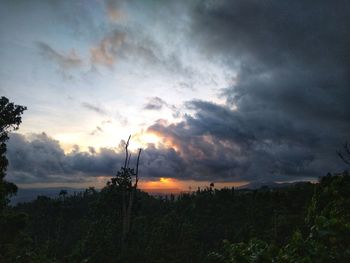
point(11, 223)
point(126, 182)
point(63, 194)
point(10, 119)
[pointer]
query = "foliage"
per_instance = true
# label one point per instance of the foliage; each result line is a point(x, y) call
point(87, 226)
point(301, 223)
point(326, 240)
point(254, 251)
point(11, 223)
point(10, 119)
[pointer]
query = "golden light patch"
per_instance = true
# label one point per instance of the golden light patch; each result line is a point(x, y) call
point(148, 137)
point(143, 139)
point(164, 180)
point(162, 183)
point(166, 141)
point(171, 144)
point(185, 185)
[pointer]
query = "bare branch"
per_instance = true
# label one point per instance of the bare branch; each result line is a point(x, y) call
point(137, 168)
point(343, 158)
point(126, 152)
point(347, 148)
point(128, 161)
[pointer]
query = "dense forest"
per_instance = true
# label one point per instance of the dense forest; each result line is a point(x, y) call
point(303, 222)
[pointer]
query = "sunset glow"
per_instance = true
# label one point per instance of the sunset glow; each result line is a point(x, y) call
point(185, 185)
point(143, 139)
point(162, 183)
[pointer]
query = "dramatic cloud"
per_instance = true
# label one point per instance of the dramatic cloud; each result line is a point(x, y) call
point(280, 69)
point(218, 143)
point(275, 33)
point(290, 98)
point(138, 48)
point(107, 50)
point(41, 159)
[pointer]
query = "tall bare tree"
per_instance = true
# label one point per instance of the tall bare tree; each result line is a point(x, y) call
point(126, 182)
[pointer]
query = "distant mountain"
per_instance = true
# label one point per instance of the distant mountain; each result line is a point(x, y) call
point(258, 185)
point(30, 194)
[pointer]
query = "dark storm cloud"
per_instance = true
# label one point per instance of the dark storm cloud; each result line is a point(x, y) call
point(292, 57)
point(291, 95)
point(41, 159)
point(218, 143)
point(276, 32)
point(163, 162)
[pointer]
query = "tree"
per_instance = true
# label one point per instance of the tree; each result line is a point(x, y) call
point(63, 194)
point(11, 223)
point(10, 119)
point(125, 183)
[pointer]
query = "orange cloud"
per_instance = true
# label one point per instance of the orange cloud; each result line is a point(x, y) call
point(106, 51)
point(114, 10)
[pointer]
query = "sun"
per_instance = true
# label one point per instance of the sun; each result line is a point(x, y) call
point(143, 139)
point(161, 183)
point(148, 137)
point(164, 180)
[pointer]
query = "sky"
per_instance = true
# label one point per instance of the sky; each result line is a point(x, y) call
point(226, 91)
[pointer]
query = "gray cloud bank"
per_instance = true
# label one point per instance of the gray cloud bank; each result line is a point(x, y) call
point(42, 160)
